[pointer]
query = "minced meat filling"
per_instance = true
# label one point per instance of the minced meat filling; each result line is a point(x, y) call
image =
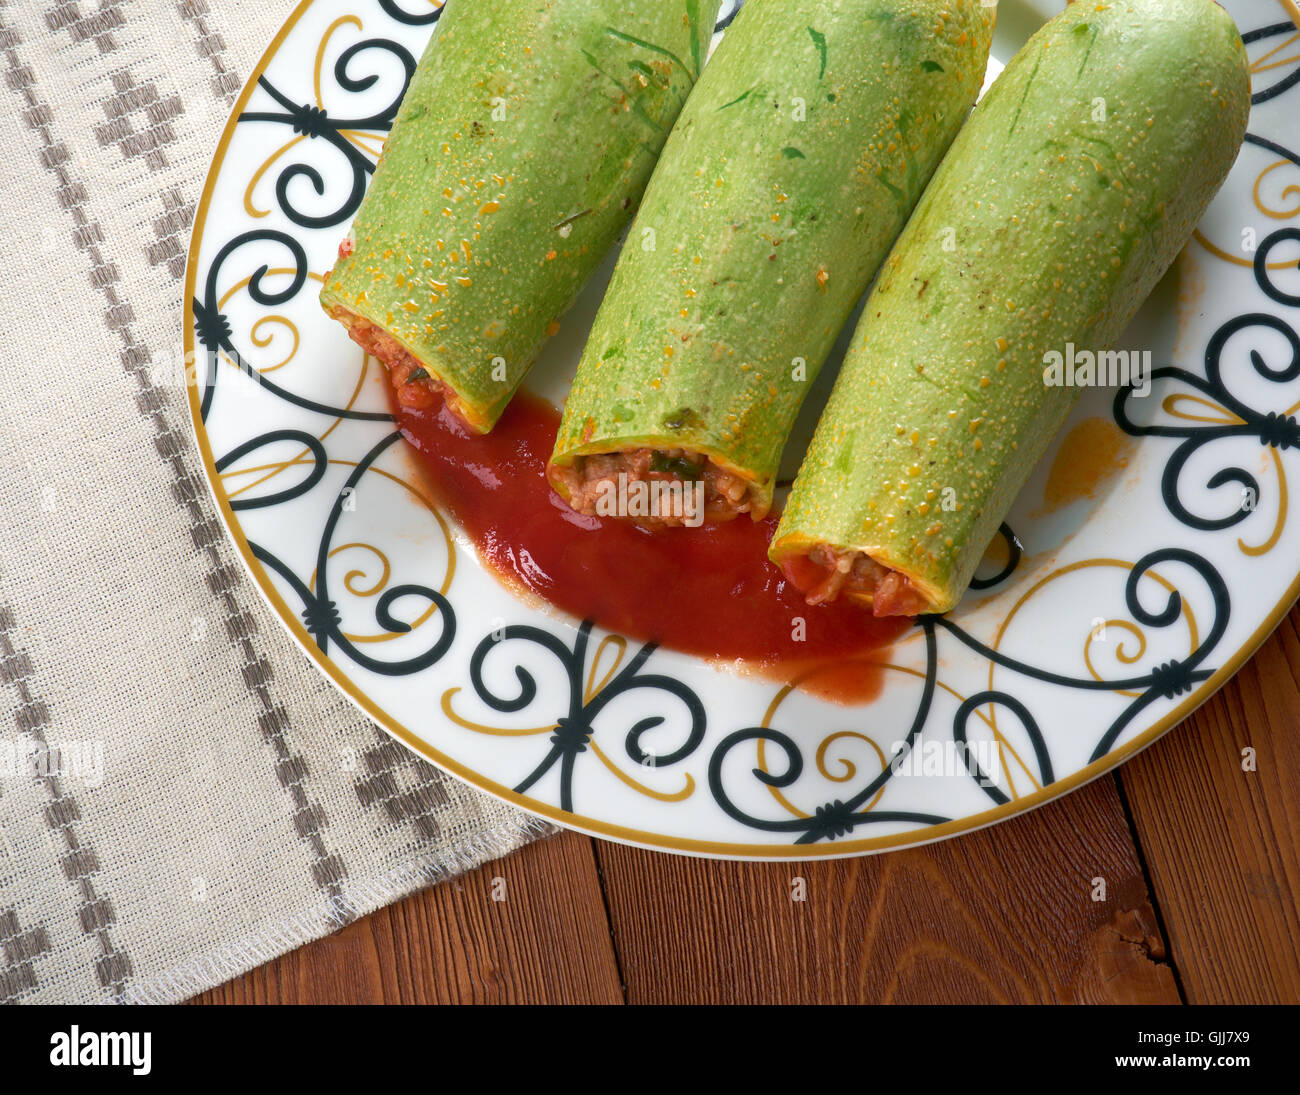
point(414, 392)
point(856, 575)
point(591, 478)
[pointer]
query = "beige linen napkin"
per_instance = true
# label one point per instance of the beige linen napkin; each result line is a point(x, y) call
point(182, 795)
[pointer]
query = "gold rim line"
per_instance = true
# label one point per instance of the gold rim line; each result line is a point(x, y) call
point(593, 826)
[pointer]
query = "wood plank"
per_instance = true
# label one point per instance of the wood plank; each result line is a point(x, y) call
point(547, 942)
point(1222, 844)
point(1004, 914)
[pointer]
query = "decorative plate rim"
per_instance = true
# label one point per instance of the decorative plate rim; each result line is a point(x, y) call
point(578, 822)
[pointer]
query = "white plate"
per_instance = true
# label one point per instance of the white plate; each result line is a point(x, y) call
point(1126, 609)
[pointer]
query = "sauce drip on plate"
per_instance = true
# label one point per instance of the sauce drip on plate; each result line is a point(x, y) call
point(708, 591)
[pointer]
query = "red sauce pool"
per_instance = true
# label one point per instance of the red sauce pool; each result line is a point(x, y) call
point(709, 591)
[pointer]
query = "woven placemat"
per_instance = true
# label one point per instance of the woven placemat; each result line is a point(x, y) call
point(182, 795)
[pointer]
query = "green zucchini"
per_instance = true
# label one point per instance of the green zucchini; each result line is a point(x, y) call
point(793, 168)
point(1074, 185)
point(518, 156)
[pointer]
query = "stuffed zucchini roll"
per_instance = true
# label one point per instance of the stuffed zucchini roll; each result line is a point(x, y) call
point(792, 170)
point(518, 156)
point(1067, 195)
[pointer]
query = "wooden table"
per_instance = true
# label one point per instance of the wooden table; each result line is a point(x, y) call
point(1200, 854)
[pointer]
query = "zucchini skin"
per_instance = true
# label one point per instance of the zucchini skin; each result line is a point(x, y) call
point(518, 156)
point(792, 170)
point(1062, 224)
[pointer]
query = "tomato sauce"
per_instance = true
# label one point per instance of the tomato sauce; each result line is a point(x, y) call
point(708, 591)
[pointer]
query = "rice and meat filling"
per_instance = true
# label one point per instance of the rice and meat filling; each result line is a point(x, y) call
point(856, 575)
point(593, 481)
point(414, 387)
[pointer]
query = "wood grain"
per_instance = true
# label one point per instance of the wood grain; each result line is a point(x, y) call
point(1223, 844)
point(1001, 915)
point(548, 941)
point(1004, 914)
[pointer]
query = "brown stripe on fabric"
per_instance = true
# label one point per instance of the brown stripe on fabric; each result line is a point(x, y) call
point(19, 949)
point(172, 228)
point(97, 26)
point(173, 447)
point(171, 233)
point(378, 786)
point(419, 797)
point(138, 120)
point(77, 860)
point(210, 44)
